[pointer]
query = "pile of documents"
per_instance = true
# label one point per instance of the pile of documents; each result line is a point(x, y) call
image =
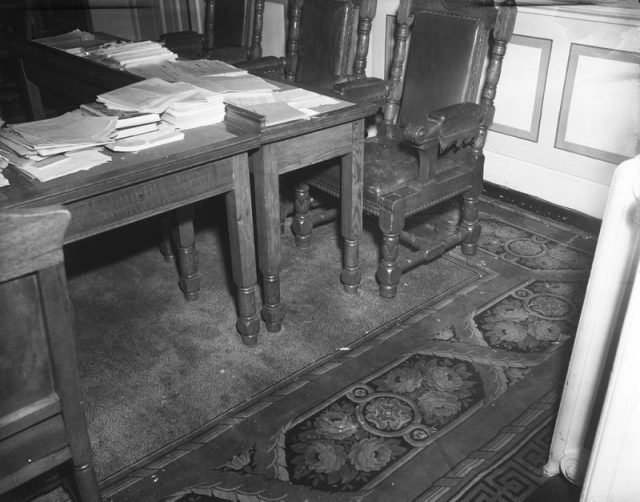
point(129, 123)
point(131, 54)
point(280, 107)
point(200, 109)
point(75, 42)
point(47, 149)
point(185, 71)
point(181, 104)
point(163, 135)
point(153, 95)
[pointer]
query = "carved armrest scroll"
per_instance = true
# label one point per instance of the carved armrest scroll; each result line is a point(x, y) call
point(369, 89)
point(458, 124)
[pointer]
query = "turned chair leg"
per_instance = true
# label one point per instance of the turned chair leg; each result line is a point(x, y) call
point(470, 221)
point(302, 224)
point(389, 271)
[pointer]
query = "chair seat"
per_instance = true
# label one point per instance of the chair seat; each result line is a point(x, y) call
point(389, 165)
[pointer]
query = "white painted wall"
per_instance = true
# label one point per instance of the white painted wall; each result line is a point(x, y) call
point(589, 115)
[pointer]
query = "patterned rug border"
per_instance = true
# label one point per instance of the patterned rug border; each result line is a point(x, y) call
point(151, 464)
point(487, 458)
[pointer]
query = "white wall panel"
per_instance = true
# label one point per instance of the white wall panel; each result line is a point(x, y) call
point(524, 75)
point(593, 111)
point(600, 114)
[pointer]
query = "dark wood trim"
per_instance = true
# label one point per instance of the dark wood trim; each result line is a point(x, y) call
point(543, 208)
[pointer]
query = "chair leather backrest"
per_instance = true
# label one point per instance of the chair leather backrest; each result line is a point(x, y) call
point(447, 51)
point(232, 23)
point(327, 32)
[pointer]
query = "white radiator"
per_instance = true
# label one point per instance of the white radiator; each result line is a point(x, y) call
point(602, 389)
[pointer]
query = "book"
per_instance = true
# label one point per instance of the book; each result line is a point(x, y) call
point(260, 117)
point(258, 112)
point(162, 136)
point(125, 118)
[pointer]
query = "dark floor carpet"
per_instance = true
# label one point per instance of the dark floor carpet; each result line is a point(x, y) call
point(447, 392)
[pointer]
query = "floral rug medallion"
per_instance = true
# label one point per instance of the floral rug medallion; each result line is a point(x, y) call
point(362, 435)
point(535, 317)
point(529, 250)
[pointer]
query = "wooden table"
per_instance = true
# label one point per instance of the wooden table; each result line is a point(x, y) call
point(284, 148)
point(337, 134)
point(209, 161)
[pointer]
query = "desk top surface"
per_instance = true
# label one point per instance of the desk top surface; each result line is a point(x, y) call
point(199, 146)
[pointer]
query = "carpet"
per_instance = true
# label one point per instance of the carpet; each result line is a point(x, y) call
point(154, 368)
point(447, 392)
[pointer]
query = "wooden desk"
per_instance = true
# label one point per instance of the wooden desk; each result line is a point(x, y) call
point(338, 134)
point(209, 161)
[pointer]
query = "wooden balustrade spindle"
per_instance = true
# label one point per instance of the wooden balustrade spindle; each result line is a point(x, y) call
point(404, 21)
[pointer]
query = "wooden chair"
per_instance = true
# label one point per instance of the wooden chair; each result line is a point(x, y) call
point(327, 43)
point(232, 32)
point(233, 29)
point(429, 145)
point(42, 424)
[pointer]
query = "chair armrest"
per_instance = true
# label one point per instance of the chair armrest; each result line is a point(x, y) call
point(458, 123)
point(366, 89)
point(268, 66)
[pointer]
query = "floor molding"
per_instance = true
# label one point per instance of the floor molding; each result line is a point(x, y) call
point(544, 208)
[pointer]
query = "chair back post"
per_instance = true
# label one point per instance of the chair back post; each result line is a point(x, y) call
point(404, 20)
point(366, 15)
point(293, 40)
point(209, 18)
point(503, 29)
point(255, 51)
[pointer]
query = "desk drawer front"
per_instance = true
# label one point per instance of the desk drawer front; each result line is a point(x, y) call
point(117, 208)
point(314, 147)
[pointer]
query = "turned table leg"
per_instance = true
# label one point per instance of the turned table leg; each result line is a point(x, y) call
point(351, 210)
point(184, 241)
point(267, 194)
point(240, 223)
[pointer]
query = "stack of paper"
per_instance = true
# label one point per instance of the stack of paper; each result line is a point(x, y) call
point(128, 123)
point(150, 96)
point(280, 107)
point(165, 134)
point(68, 163)
point(47, 149)
point(241, 85)
point(76, 42)
point(200, 109)
point(131, 54)
point(186, 71)
point(71, 131)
